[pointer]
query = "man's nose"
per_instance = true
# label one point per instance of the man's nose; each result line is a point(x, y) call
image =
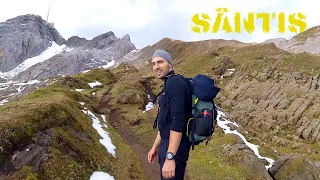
point(156, 66)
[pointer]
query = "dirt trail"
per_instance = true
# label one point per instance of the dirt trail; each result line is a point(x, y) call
point(152, 170)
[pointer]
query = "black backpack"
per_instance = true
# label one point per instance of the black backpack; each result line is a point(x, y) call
point(201, 125)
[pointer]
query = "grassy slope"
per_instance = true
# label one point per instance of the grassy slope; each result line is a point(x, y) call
point(247, 59)
point(210, 162)
point(132, 113)
point(58, 107)
point(129, 85)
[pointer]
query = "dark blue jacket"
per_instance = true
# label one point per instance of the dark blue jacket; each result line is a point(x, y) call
point(174, 115)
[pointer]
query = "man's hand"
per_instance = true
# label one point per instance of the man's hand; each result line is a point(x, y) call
point(168, 169)
point(152, 155)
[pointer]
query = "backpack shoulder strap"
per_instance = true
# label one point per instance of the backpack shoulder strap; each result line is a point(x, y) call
point(165, 91)
point(186, 80)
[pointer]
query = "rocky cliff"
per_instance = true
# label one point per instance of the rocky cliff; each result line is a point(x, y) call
point(101, 51)
point(31, 38)
point(307, 41)
point(24, 37)
point(32, 50)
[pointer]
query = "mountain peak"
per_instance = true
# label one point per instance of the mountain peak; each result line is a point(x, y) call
point(29, 32)
point(26, 17)
point(311, 32)
point(126, 38)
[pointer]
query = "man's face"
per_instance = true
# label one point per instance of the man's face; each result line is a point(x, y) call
point(161, 67)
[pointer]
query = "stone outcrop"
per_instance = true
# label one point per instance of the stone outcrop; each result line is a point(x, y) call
point(307, 41)
point(272, 105)
point(24, 37)
point(295, 167)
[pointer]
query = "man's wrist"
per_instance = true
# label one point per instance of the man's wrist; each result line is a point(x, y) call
point(170, 156)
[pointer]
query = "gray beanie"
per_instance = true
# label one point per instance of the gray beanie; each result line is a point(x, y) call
point(164, 54)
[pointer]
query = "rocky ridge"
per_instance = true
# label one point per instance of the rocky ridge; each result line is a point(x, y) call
point(179, 50)
point(39, 39)
point(289, 101)
point(24, 37)
point(307, 41)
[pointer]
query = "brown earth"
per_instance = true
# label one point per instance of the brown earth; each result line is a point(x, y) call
point(152, 170)
point(115, 119)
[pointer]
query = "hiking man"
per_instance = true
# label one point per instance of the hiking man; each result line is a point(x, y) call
point(171, 144)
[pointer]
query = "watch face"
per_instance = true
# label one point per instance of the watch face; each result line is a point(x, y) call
point(169, 156)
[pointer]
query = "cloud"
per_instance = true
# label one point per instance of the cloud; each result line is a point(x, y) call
point(148, 21)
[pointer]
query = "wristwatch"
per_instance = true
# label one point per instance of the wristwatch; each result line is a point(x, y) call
point(170, 155)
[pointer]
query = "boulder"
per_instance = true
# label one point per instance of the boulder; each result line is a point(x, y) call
point(295, 167)
point(262, 77)
point(33, 155)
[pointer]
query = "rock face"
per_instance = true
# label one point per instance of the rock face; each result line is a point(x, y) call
point(76, 41)
point(291, 101)
point(102, 51)
point(35, 155)
point(295, 167)
point(307, 41)
point(28, 36)
point(250, 160)
point(24, 37)
point(283, 109)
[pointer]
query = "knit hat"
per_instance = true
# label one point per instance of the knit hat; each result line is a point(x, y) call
point(164, 54)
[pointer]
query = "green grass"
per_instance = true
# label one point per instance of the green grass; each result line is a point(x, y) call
point(257, 58)
point(297, 165)
point(104, 76)
point(205, 162)
point(57, 106)
point(304, 63)
point(70, 156)
point(210, 162)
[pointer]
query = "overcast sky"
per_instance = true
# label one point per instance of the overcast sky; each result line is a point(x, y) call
point(148, 21)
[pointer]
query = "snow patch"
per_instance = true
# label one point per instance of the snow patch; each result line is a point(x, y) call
point(48, 53)
point(150, 105)
point(82, 103)
point(108, 48)
point(19, 89)
point(109, 64)
point(93, 84)
point(98, 175)
point(104, 118)
point(3, 101)
point(69, 49)
point(223, 124)
point(106, 140)
point(83, 72)
point(27, 83)
point(79, 90)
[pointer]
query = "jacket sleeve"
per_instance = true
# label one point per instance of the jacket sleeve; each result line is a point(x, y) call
point(176, 89)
